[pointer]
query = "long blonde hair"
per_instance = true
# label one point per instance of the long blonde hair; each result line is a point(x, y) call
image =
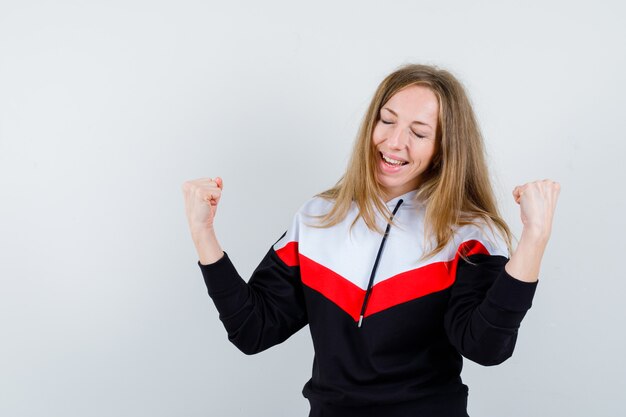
point(456, 186)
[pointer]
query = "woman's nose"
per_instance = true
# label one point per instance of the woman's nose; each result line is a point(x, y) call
point(397, 138)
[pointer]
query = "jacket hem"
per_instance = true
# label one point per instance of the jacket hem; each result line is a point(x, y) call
point(449, 405)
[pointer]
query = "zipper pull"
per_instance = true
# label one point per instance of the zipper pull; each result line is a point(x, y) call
point(360, 320)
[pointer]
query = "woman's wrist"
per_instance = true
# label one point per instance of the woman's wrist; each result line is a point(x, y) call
point(207, 246)
point(201, 234)
point(526, 259)
point(535, 237)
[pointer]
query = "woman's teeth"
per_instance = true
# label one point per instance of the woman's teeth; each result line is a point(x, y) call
point(392, 161)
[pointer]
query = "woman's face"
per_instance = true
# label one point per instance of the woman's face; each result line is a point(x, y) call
point(404, 137)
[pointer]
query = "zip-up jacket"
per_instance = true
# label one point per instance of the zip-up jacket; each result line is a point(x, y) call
point(388, 329)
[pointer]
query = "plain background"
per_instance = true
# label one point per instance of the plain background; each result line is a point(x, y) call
point(107, 107)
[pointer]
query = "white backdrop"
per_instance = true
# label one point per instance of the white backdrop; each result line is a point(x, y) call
point(107, 107)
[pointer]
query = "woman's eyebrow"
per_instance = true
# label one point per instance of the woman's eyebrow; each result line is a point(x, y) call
point(415, 121)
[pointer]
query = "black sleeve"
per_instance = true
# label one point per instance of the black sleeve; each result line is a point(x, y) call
point(486, 308)
point(263, 312)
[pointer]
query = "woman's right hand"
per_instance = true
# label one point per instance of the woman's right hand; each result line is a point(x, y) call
point(201, 199)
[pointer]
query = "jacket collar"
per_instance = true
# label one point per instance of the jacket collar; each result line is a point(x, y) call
point(409, 200)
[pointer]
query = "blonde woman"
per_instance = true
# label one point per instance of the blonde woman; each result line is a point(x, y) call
point(399, 270)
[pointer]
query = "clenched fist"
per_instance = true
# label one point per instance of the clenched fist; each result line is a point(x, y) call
point(201, 199)
point(537, 202)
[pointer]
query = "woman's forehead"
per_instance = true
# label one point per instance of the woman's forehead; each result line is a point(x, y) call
point(416, 102)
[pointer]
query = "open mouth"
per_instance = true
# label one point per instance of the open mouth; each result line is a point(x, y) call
point(392, 162)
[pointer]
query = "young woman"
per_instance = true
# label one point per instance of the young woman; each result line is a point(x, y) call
point(401, 268)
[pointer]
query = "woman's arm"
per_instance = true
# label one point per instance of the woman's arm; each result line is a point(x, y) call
point(491, 294)
point(486, 309)
point(207, 246)
point(201, 199)
point(261, 313)
point(537, 202)
point(526, 259)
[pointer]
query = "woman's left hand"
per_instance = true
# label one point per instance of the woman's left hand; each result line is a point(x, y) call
point(537, 202)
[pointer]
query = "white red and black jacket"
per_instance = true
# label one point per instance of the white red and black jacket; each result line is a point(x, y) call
point(419, 317)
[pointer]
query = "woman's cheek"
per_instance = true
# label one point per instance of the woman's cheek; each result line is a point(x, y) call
point(377, 134)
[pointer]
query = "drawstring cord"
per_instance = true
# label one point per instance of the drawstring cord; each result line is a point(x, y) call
point(380, 251)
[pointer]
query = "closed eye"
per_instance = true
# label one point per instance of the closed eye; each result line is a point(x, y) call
point(386, 122)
